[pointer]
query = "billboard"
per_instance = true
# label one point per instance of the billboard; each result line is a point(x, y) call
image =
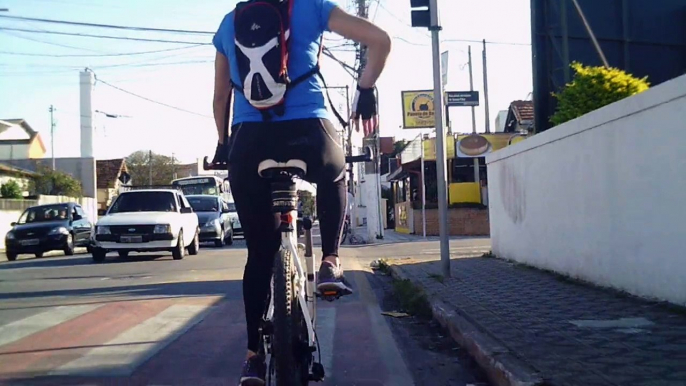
point(644, 38)
point(418, 109)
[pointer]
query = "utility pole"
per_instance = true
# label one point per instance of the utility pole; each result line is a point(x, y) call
point(52, 135)
point(488, 123)
point(173, 167)
point(441, 161)
point(150, 167)
point(471, 88)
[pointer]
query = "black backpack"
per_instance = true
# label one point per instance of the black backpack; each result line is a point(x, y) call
point(262, 31)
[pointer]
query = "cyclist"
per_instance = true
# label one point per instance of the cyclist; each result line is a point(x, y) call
point(298, 128)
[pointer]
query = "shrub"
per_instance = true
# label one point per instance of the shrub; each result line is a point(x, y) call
point(593, 88)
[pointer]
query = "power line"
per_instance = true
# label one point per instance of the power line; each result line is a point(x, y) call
point(121, 27)
point(99, 55)
point(47, 42)
point(151, 100)
point(101, 36)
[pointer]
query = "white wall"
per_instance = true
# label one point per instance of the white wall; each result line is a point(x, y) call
point(601, 198)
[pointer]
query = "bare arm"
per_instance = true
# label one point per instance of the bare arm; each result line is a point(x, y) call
point(362, 31)
point(222, 94)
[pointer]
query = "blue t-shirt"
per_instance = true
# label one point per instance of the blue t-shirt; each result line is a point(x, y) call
point(309, 20)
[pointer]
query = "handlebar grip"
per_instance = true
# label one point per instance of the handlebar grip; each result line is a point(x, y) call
point(214, 166)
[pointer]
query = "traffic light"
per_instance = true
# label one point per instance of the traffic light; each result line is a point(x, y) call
point(421, 15)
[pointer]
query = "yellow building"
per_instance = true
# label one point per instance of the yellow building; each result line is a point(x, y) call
point(19, 141)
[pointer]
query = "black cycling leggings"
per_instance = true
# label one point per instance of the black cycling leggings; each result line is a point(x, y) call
point(314, 141)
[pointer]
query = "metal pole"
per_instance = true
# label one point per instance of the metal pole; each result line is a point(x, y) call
point(441, 162)
point(150, 167)
point(52, 135)
point(471, 88)
point(591, 34)
point(488, 120)
point(421, 144)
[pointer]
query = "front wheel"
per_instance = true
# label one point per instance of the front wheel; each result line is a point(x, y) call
point(194, 248)
point(69, 245)
point(287, 323)
point(180, 250)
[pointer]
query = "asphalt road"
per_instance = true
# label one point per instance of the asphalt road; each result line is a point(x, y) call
point(150, 320)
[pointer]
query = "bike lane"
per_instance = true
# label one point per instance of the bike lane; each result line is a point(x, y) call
point(194, 341)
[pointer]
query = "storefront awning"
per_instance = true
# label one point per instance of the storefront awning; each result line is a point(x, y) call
point(399, 174)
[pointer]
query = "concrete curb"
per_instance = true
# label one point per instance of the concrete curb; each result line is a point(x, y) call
point(501, 365)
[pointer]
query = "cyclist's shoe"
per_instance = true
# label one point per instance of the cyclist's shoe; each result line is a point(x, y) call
point(254, 372)
point(331, 280)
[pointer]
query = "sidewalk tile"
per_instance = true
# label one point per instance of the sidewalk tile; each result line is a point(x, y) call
point(570, 333)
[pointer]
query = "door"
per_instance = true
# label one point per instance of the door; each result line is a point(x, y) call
point(81, 226)
point(224, 215)
point(189, 221)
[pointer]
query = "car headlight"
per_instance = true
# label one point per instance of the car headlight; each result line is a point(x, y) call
point(212, 224)
point(59, 231)
point(162, 229)
point(10, 236)
point(103, 230)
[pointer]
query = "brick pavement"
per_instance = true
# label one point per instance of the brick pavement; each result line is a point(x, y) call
point(531, 327)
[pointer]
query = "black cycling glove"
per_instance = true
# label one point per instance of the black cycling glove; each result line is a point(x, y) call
point(221, 154)
point(364, 104)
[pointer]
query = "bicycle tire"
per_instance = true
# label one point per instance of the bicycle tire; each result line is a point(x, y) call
point(286, 322)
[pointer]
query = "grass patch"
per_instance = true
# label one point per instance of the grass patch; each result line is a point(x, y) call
point(384, 267)
point(411, 299)
point(437, 277)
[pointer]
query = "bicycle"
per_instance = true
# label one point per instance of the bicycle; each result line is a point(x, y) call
point(288, 335)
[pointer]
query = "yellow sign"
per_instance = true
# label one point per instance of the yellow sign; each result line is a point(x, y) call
point(418, 109)
point(430, 148)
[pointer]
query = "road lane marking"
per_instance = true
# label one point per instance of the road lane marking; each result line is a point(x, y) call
point(22, 328)
point(123, 354)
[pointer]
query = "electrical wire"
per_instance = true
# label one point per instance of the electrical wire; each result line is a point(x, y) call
point(121, 27)
point(47, 42)
point(150, 100)
point(100, 55)
point(101, 36)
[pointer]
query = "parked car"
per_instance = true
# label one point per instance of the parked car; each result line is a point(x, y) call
point(233, 214)
point(149, 220)
point(216, 224)
point(51, 227)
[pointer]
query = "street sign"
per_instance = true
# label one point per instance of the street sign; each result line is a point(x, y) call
point(461, 98)
point(444, 68)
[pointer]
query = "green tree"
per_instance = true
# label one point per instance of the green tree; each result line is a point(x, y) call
point(11, 189)
point(309, 203)
point(593, 88)
point(139, 165)
point(56, 183)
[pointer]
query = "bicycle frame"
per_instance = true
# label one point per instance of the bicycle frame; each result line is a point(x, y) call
point(305, 278)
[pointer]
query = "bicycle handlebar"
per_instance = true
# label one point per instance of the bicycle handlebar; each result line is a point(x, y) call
point(366, 157)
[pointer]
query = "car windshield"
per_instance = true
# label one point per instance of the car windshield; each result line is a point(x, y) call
point(204, 204)
point(144, 202)
point(44, 213)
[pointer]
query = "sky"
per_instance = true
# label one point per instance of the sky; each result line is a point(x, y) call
point(39, 69)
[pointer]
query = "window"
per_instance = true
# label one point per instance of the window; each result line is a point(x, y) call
point(143, 201)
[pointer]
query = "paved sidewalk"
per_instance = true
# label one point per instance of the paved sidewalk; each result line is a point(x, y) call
point(529, 327)
point(391, 236)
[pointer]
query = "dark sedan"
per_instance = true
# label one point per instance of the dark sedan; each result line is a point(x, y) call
point(214, 219)
point(52, 227)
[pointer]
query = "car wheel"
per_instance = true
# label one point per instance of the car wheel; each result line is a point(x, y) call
point(69, 245)
point(180, 250)
point(11, 256)
point(229, 241)
point(195, 244)
point(221, 242)
point(99, 255)
point(123, 254)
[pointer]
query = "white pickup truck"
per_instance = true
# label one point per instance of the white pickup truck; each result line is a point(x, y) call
point(150, 220)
